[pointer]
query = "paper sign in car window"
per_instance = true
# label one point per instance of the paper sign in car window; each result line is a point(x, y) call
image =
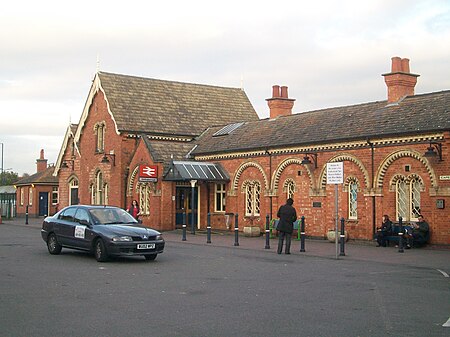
point(79, 231)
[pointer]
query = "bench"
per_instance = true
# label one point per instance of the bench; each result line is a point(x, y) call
point(394, 237)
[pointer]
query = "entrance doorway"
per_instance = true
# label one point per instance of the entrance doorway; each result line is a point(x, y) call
point(43, 203)
point(185, 207)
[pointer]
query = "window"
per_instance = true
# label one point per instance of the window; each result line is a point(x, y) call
point(54, 195)
point(415, 188)
point(21, 196)
point(97, 192)
point(289, 188)
point(68, 214)
point(220, 198)
point(401, 199)
point(252, 198)
point(73, 192)
point(30, 196)
point(352, 199)
point(100, 135)
point(408, 197)
point(144, 198)
point(81, 215)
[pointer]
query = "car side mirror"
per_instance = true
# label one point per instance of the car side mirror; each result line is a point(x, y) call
point(84, 222)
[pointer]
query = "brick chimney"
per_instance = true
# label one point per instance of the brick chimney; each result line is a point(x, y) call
point(280, 104)
point(41, 163)
point(400, 82)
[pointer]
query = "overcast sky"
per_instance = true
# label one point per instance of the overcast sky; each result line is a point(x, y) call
point(328, 53)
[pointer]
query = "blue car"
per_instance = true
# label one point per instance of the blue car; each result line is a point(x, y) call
point(105, 231)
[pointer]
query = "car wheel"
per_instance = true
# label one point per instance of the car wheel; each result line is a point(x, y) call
point(53, 246)
point(100, 251)
point(150, 257)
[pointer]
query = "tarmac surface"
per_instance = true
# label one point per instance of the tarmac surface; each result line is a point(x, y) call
point(434, 257)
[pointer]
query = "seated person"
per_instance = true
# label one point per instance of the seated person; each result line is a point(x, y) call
point(384, 230)
point(419, 232)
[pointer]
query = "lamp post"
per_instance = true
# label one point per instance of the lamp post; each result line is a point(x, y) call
point(3, 172)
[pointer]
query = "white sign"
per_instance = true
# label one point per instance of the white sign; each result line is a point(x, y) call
point(80, 231)
point(335, 173)
point(444, 177)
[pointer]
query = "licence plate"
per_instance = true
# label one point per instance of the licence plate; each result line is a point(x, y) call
point(146, 246)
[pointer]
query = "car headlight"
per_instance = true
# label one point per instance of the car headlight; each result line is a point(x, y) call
point(159, 237)
point(124, 238)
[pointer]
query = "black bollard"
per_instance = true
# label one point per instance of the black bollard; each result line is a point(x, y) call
point(208, 229)
point(26, 216)
point(236, 231)
point(342, 237)
point(267, 233)
point(302, 234)
point(184, 233)
point(184, 227)
point(400, 234)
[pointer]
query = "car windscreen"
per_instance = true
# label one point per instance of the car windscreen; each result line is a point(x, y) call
point(111, 216)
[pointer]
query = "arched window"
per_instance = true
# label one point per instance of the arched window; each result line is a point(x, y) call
point(144, 198)
point(99, 129)
point(353, 199)
point(99, 190)
point(73, 192)
point(401, 189)
point(408, 199)
point(415, 188)
point(289, 188)
point(252, 198)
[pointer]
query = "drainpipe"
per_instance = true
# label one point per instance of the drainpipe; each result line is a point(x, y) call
point(125, 206)
point(270, 180)
point(374, 221)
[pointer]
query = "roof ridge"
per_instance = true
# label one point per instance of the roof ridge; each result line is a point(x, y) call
point(168, 81)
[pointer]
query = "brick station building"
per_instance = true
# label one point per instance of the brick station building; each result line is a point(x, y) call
point(185, 150)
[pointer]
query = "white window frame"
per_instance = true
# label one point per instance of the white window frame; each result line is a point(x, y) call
point(144, 198)
point(220, 198)
point(55, 195)
point(30, 196)
point(353, 199)
point(252, 198)
point(408, 198)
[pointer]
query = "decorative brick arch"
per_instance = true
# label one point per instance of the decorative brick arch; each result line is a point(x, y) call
point(381, 172)
point(345, 157)
point(131, 181)
point(285, 163)
point(395, 178)
point(239, 172)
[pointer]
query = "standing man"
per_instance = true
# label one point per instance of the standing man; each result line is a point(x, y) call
point(287, 215)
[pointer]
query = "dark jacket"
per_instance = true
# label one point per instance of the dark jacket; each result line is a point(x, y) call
point(287, 215)
point(422, 229)
point(386, 227)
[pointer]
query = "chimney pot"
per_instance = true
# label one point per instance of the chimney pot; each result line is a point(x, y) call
point(405, 65)
point(400, 82)
point(284, 92)
point(275, 91)
point(396, 64)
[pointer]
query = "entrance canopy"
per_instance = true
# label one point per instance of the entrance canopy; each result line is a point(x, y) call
point(195, 170)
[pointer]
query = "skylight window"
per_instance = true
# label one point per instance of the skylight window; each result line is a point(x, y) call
point(226, 130)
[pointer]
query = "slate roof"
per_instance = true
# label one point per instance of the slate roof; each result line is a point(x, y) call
point(167, 107)
point(40, 178)
point(414, 114)
point(163, 151)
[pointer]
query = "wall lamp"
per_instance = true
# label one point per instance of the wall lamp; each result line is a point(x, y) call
point(64, 164)
point(431, 153)
point(105, 159)
point(307, 161)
